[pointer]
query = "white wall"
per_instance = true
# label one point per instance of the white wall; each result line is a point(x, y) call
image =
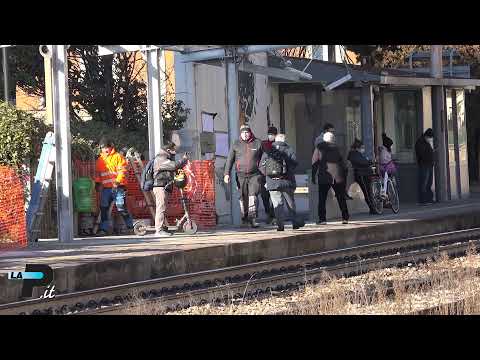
point(203, 88)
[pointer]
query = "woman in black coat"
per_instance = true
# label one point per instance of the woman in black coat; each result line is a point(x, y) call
point(362, 170)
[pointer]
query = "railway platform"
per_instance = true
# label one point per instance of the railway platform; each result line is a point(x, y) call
point(89, 263)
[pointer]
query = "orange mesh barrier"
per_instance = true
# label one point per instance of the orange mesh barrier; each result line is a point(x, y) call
point(13, 224)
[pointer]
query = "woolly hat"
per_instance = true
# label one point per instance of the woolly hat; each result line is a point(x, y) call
point(428, 133)
point(387, 142)
point(245, 127)
point(272, 130)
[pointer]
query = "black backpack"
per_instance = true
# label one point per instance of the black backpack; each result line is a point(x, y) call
point(275, 168)
point(147, 180)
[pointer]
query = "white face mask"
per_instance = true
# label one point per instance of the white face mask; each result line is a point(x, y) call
point(329, 137)
point(271, 137)
point(430, 140)
point(362, 150)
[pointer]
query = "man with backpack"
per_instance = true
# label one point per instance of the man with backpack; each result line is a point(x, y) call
point(246, 153)
point(267, 203)
point(278, 165)
point(158, 176)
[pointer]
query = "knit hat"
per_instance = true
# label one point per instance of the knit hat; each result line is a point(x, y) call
point(357, 144)
point(387, 142)
point(272, 130)
point(428, 133)
point(245, 127)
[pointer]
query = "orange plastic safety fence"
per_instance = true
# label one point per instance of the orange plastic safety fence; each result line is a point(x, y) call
point(13, 225)
point(200, 191)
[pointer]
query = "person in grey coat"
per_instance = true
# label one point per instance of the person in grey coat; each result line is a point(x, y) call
point(164, 167)
point(328, 163)
point(282, 186)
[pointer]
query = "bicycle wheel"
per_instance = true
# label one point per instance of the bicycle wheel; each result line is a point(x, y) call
point(393, 196)
point(376, 191)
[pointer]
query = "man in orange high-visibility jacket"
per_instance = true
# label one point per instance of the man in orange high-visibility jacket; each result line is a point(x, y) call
point(111, 180)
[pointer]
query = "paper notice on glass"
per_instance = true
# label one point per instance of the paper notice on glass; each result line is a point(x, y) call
point(221, 141)
point(207, 122)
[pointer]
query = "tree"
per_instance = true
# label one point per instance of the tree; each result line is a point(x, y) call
point(109, 89)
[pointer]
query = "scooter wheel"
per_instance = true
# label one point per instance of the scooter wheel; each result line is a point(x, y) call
point(190, 227)
point(140, 229)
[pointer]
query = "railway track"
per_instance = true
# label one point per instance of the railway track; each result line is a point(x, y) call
point(250, 280)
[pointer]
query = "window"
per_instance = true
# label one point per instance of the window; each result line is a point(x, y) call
point(406, 120)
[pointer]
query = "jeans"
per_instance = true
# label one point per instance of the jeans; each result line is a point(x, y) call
point(118, 195)
point(277, 201)
point(425, 181)
point(339, 189)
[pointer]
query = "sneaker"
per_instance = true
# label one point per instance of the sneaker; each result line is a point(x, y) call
point(254, 224)
point(127, 232)
point(345, 222)
point(281, 228)
point(101, 233)
point(163, 233)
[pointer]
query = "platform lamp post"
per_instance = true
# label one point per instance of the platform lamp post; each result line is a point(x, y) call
point(5, 74)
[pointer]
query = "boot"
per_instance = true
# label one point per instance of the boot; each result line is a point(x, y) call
point(253, 223)
point(298, 224)
point(279, 218)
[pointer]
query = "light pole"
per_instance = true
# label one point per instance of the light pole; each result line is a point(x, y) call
point(5, 74)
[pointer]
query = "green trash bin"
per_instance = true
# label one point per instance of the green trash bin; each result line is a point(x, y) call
point(83, 195)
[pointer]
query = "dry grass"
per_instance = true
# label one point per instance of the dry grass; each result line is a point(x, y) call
point(441, 286)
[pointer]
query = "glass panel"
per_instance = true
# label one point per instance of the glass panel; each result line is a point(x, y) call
point(462, 142)
point(406, 122)
point(353, 117)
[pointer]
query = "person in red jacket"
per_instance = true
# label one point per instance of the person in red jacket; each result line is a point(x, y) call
point(111, 181)
point(267, 202)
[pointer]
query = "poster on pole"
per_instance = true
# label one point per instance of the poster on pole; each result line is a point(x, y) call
point(207, 122)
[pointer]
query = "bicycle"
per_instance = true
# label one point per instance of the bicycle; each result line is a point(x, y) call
point(384, 192)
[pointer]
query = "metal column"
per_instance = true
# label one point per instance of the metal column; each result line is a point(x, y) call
point(367, 120)
point(233, 132)
point(61, 121)
point(439, 125)
point(154, 103)
point(5, 74)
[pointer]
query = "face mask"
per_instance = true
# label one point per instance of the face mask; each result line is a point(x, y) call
point(430, 140)
point(245, 135)
point(271, 137)
point(362, 150)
